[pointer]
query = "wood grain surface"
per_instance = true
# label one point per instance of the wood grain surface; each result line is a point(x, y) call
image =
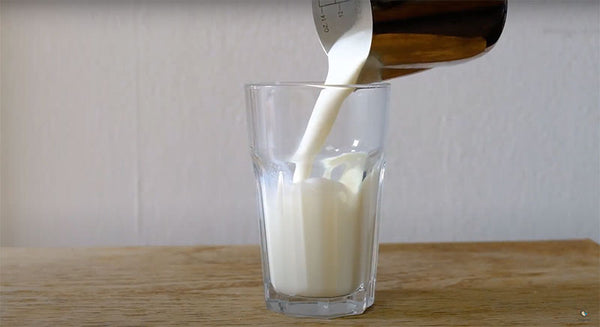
point(456, 284)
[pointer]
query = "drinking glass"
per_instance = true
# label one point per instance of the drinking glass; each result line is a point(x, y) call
point(318, 209)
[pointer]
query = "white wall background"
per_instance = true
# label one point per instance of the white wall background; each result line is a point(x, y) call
point(123, 123)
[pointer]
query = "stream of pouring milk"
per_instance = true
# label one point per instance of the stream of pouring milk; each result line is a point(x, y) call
point(320, 230)
point(346, 59)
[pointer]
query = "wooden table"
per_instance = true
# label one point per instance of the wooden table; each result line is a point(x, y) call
point(478, 284)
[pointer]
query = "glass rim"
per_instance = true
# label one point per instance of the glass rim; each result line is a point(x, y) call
point(322, 85)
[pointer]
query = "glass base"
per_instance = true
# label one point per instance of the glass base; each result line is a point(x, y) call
point(331, 307)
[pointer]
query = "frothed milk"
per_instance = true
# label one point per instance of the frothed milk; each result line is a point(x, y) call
point(320, 229)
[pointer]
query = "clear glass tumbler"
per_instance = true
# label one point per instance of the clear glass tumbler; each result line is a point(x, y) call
point(319, 208)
